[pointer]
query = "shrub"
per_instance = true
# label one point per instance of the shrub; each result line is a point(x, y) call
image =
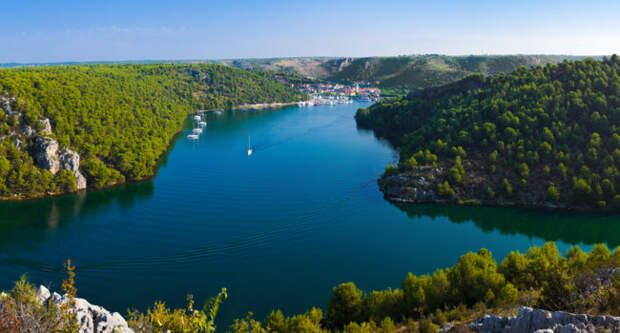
point(21, 311)
point(160, 318)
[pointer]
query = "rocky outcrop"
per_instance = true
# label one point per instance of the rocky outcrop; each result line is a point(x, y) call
point(6, 104)
point(534, 320)
point(46, 154)
point(47, 126)
point(416, 186)
point(28, 131)
point(91, 318)
point(70, 160)
point(48, 157)
point(45, 150)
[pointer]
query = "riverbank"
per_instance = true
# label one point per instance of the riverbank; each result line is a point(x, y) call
point(427, 185)
point(265, 105)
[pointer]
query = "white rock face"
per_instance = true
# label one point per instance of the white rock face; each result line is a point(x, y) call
point(45, 149)
point(47, 126)
point(70, 160)
point(5, 104)
point(92, 318)
point(542, 321)
point(48, 157)
point(29, 131)
point(46, 154)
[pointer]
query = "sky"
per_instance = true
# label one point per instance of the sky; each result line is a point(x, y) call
point(113, 30)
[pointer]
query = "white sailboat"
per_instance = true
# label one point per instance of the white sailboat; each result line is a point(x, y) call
point(249, 147)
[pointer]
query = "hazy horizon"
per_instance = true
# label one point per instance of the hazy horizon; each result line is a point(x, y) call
point(295, 57)
point(115, 31)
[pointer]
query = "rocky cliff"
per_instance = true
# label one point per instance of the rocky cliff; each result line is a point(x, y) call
point(48, 156)
point(416, 186)
point(542, 321)
point(39, 142)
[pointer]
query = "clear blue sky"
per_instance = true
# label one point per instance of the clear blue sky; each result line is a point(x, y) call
point(97, 30)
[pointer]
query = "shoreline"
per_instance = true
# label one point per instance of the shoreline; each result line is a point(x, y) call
point(274, 105)
point(473, 202)
point(158, 162)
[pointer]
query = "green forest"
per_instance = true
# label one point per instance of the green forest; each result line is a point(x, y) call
point(544, 136)
point(119, 118)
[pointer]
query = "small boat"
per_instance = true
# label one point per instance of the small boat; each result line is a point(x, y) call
point(249, 147)
point(197, 131)
point(193, 136)
point(197, 118)
point(202, 123)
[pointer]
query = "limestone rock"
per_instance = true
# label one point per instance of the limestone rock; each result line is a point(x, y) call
point(48, 157)
point(6, 104)
point(416, 186)
point(47, 126)
point(91, 318)
point(43, 294)
point(542, 321)
point(45, 154)
point(70, 160)
point(28, 131)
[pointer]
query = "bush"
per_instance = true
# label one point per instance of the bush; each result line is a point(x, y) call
point(444, 190)
point(391, 170)
point(160, 318)
point(473, 277)
point(21, 311)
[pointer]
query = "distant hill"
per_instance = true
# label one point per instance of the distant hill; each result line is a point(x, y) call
point(401, 72)
point(406, 72)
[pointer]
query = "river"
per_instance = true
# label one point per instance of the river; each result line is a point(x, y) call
point(278, 228)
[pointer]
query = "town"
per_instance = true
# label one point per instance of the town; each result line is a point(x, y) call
point(332, 93)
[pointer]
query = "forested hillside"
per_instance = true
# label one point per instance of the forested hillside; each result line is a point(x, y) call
point(545, 136)
point(118, 118)
point(402, 72)
point(418, 72)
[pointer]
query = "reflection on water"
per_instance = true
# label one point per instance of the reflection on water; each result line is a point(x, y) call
point(51, 213)
point(567, 227)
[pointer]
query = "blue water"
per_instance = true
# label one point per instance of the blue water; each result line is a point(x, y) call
point(279, 228)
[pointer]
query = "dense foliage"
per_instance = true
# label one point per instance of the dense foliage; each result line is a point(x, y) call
point(160, 318)
point(286, 78)
point(21, 309)
point(119, 118)
point(548, 134)
point(578, 282)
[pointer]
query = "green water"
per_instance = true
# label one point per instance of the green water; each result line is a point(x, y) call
point(278, 228)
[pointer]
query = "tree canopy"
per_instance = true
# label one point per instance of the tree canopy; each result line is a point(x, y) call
point(545, 134)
